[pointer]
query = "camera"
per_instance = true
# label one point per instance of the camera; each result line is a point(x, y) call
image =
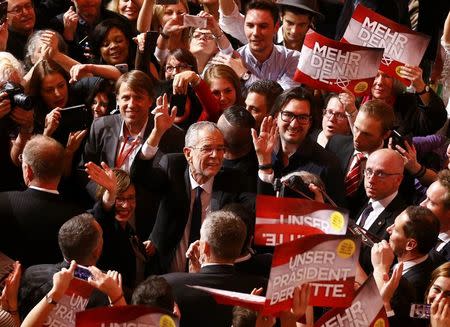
point(17, 97)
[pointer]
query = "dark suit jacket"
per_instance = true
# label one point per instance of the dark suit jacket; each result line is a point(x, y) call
point(173, 212)
point(197, 307)
point(29, 225)
point(440, 257)
point(311, 157)
point(379, 226)
point(37, 281)
point(102, 146)
point(342, 147)
point(419, 277)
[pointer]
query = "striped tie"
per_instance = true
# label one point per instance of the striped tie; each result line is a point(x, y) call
point(353, 177)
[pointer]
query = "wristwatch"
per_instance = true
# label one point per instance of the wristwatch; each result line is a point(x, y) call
point(50, 300)
point(426, 89)
point(246, 76)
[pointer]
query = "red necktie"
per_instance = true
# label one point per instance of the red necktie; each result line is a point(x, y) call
point(353, 177)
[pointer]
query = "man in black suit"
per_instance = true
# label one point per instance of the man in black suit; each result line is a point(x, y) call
point(30, 220)
point(133, 138)
point(383, 175)
point(222, 236)
point(371, 128)
point(193, 183)
point(438, 201)
point(413, 234)
point(80, 239)
point(292, 116)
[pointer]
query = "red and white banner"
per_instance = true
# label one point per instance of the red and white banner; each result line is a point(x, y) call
point(281, 220)
point(326, 262)
point(401, 45)
point(74, 300)
point(126, 316)
point(366, 310)
point(331, 65)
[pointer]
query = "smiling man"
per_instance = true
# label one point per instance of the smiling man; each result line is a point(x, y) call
point(260, 58)
point(21, 21)
point(292, 115)
point(194, 184)
point(132, 139)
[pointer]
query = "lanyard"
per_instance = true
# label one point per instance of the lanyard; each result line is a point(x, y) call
point(123, 156)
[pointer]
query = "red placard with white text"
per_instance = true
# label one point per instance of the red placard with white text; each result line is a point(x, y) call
point(366, 310)
point(326, 262)
point(331, 65)
point(280, 220)
point(74, 300)
point(401, 44)
point(126, 316)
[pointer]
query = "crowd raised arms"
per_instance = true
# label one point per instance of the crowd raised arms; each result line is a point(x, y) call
point(147, 146)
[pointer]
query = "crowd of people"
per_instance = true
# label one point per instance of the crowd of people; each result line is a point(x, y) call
point(135, 138)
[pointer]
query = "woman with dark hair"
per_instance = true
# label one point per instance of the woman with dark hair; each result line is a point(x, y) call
point(111, 43)
point(190, 93)
point(101, 99)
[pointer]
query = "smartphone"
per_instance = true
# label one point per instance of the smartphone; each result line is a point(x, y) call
point(82, 272)
point(420, 311)
point(294, 186)
point(74, 118)
point(123, 68)
point(3, 11)
point(399, 139)
point(167, 2)
point(194, 21)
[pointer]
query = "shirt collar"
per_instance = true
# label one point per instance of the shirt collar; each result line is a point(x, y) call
point(207, 187)
point(44, 189)
point(140, 135)
point(383, 203)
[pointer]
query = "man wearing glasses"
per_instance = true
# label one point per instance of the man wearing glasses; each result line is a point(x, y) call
point(21, 20)
point(382, 178)
point(291, 118)
point(193, 184)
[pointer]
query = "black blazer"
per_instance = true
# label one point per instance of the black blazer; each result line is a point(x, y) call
point(29, 225)
point(379, 226)
point(102, 145)
point(174, 208)
point(198, 308)
point(440, 257)
point(419, 277)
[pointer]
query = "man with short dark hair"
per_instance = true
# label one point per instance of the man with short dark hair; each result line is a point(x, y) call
point(156, 292)
point(134, 138)
point(222, 236)
point(260, 99)
point(297, 17)
point(438, 201)
point(80, 239)
point(413, 234)
point(292, 116)
point(260, 58)
point(30, 220)
point(236, 123)
point(371, 128)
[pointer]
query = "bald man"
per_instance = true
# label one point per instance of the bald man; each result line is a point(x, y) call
point(382, 178)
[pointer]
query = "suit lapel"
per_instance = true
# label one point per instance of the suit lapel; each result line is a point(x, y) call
point(111, 140)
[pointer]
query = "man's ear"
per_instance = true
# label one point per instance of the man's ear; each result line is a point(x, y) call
point(411, 244)
point(387, 135)
point(29, 174)
point(187, 153)
point(277, 26)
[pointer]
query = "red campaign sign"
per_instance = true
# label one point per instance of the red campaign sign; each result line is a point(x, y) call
point(326, 262)
point(366, 310)
point(281, 220)
point(74, 300)
point(401, 45)
point(332, 65)
point(126, 316)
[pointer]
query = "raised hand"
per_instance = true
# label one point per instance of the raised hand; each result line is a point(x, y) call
point(52, 120)
point(163, 119)
point(265, 141)
point(70, 20)
point(8, 297)
point(181, 81)
point(103, 176)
